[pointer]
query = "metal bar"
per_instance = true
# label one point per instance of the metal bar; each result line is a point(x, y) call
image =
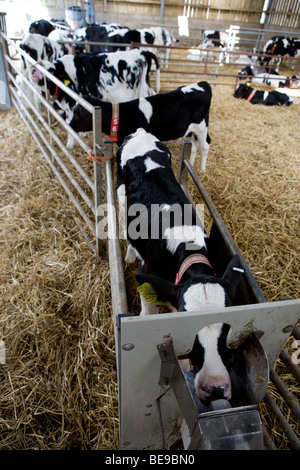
point(118, 286)
point(55, 154)
point(97, 128)
point(267, 440)
point(171, 374)
point(53, 167)
point(185, 154)
point(296, 332)
point(55, 80)
point(285, 393)
point(291, 436)
point(61, 121)
point(293, 368)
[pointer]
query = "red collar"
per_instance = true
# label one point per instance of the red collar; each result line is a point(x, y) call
point(54, 97)
point(251, 95)
point(114, 124)
point(192, 259)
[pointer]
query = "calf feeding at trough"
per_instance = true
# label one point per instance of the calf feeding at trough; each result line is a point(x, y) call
point(169, 116)
point(173, 255)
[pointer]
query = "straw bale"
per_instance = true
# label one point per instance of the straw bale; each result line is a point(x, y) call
point(58, 389)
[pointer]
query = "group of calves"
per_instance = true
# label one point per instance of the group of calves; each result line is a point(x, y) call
point(175, 263)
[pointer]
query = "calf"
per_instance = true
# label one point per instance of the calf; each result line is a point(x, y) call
point(42, 27)
point(215, 39)
point(269, 76)
point(269, 98)
point(272, 80)
point(179, 113)
point(254, 70)
point(41, 48)
point(100, 33)
point(162, 37)
point(116, 77)
point(118, 35)
point(281, 46)
point(172, 248)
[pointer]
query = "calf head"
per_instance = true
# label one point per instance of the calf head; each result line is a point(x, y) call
point(243, 90)
point(37, 77)
point(57, 69)
point(197, 292)
point(214, 364)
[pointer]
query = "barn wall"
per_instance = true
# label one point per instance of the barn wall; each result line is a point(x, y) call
point(201, 14)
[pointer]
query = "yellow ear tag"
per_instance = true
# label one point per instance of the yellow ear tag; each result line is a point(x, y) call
point(67, 82)
point(148, 292)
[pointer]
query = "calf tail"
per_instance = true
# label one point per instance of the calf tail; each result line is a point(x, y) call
point(149, 57)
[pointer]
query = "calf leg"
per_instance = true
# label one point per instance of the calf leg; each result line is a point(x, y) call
point(70, 143)
point(198, 134)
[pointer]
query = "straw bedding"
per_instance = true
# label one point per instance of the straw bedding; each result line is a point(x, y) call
point(58, 388)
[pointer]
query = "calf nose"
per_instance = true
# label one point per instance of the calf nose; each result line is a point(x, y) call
point(216, 391)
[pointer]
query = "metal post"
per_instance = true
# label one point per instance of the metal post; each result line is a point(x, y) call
point(161, 9)
point(97, 148)
point(172, 374)
point(185, 154)
point(118, 288)
point(5, 101)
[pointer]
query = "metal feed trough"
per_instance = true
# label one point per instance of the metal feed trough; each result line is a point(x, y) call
point(157, 405)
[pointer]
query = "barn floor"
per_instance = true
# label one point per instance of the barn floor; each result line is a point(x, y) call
point(58, 388)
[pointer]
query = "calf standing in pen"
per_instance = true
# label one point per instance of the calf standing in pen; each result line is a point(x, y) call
point(172, 248)
point(115, 77)
point(43, 48)
point(169, 116)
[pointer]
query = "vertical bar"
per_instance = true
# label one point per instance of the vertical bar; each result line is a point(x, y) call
point(118, 288)
point(5, 102)
point(162, 9)
point(185, 154)
point(97, 128)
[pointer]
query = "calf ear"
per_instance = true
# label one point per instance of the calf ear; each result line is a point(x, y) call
point(166, 290)
point(232, 276)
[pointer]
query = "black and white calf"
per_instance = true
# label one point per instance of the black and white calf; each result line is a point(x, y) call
point(254, 70)
point(99, 33)
point(43, 48)
point(115, 77)
point(39, 48)
point(218, 40)
point(173, 252)
point(114, 35)
point(281, 46)
point(269, 76)
point(268, 98)
point(169, 116)
point(42, 27)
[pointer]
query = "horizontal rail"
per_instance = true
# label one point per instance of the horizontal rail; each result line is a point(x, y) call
point(54, 153)
point(61, 121)
point(55, 80)
point(34, 130)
